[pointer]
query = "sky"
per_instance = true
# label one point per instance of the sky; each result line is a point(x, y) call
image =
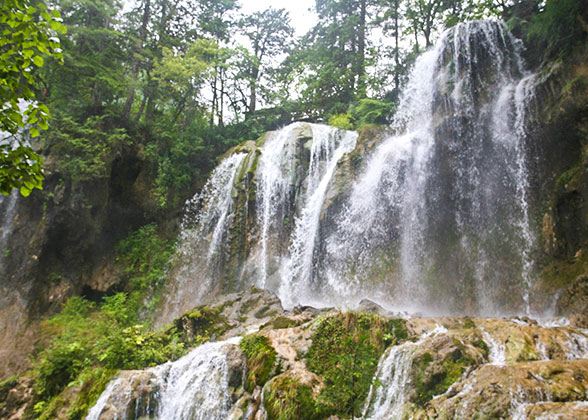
point(301, 18)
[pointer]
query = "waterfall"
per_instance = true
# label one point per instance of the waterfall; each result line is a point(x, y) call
point(391, 384)
point(194, 387)
point(216, 202)
point(7, 213)
point(328, 147)
point(443, 204)
point(284, 194)
point(435, 217)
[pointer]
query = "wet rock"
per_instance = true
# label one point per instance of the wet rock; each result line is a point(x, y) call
point(574, 302)
point(16, 398)
point(371, 307)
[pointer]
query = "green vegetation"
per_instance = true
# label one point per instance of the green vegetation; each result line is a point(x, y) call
point(91, 342)
point(561, 26)
point(432, 382)
point(286, 398)
point(29, 33)
point(345, 351)
point(145, 256)
point(261, 359)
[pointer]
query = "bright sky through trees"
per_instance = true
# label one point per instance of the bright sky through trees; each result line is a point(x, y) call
point(301, 18)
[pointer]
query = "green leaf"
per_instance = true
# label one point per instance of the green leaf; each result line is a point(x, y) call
point(38, 61)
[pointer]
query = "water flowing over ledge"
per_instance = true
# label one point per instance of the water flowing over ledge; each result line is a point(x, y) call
point(434, 217)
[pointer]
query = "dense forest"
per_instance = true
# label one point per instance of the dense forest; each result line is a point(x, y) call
point(184, 81)
point(100, 92)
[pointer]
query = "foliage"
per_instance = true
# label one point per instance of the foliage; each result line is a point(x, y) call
point(341, 121)
point(29, 33)
point(145, 256)
point(91, 342)
point(286, 398)
point(345, 351)
point(561, 25)
point(370, 111)
point(85, 150)
point(20, 167)
point(261, 358)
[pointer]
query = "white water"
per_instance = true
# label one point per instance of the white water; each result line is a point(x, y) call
point(497, 350)
point(278, 191)
point(387, 400)
point(446, 227)
point(328, 147)
point(194, 387)
point(275, 175)
point(217, 205)
point(7, 213)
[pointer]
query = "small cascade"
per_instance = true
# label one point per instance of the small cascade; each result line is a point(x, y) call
point(386, 399)
point(497, 350)
point(577, 345)
point(7, 213)
point(194, 387)
point(393, 373)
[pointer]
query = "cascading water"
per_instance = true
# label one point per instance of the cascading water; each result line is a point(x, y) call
point(387, 400)
point(328, 147)
point(7, 213)
point(437, 217)
point(283, 193)
point(443, 205)
point(195, 387)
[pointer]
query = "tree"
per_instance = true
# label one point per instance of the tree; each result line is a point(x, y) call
point(269, 33)
point(29, 33)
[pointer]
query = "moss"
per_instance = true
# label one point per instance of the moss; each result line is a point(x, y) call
point(200, 324)
point(345, 351)
point(432, 380)
point(263, 311)
point(468, 323)
point(281, 322)
point(261, 359)
point(286, 398)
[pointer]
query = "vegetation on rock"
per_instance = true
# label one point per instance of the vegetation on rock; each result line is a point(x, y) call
point(345, 351)
point(261, 360)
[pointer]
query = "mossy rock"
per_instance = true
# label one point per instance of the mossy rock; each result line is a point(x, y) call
point(200, 324)
point(345, 351)
point(282, 322)
point(261, 360)
point(285, 398)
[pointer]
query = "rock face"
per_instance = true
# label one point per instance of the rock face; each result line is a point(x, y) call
point(443, 368)
point(59, 242)
point(440, 213)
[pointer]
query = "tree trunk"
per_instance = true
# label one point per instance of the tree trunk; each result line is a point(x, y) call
point(361, 83)
point(136, 62)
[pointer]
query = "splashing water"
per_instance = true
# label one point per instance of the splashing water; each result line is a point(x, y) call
point(387, 401)
point(195, 387)
point(445, 200)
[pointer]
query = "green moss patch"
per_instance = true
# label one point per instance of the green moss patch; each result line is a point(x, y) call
point(261, 359)
point(286, 398)
point(345, 351)
point(435, 377)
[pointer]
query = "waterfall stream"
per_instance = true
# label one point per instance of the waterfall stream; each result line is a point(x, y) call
point(194, 387)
